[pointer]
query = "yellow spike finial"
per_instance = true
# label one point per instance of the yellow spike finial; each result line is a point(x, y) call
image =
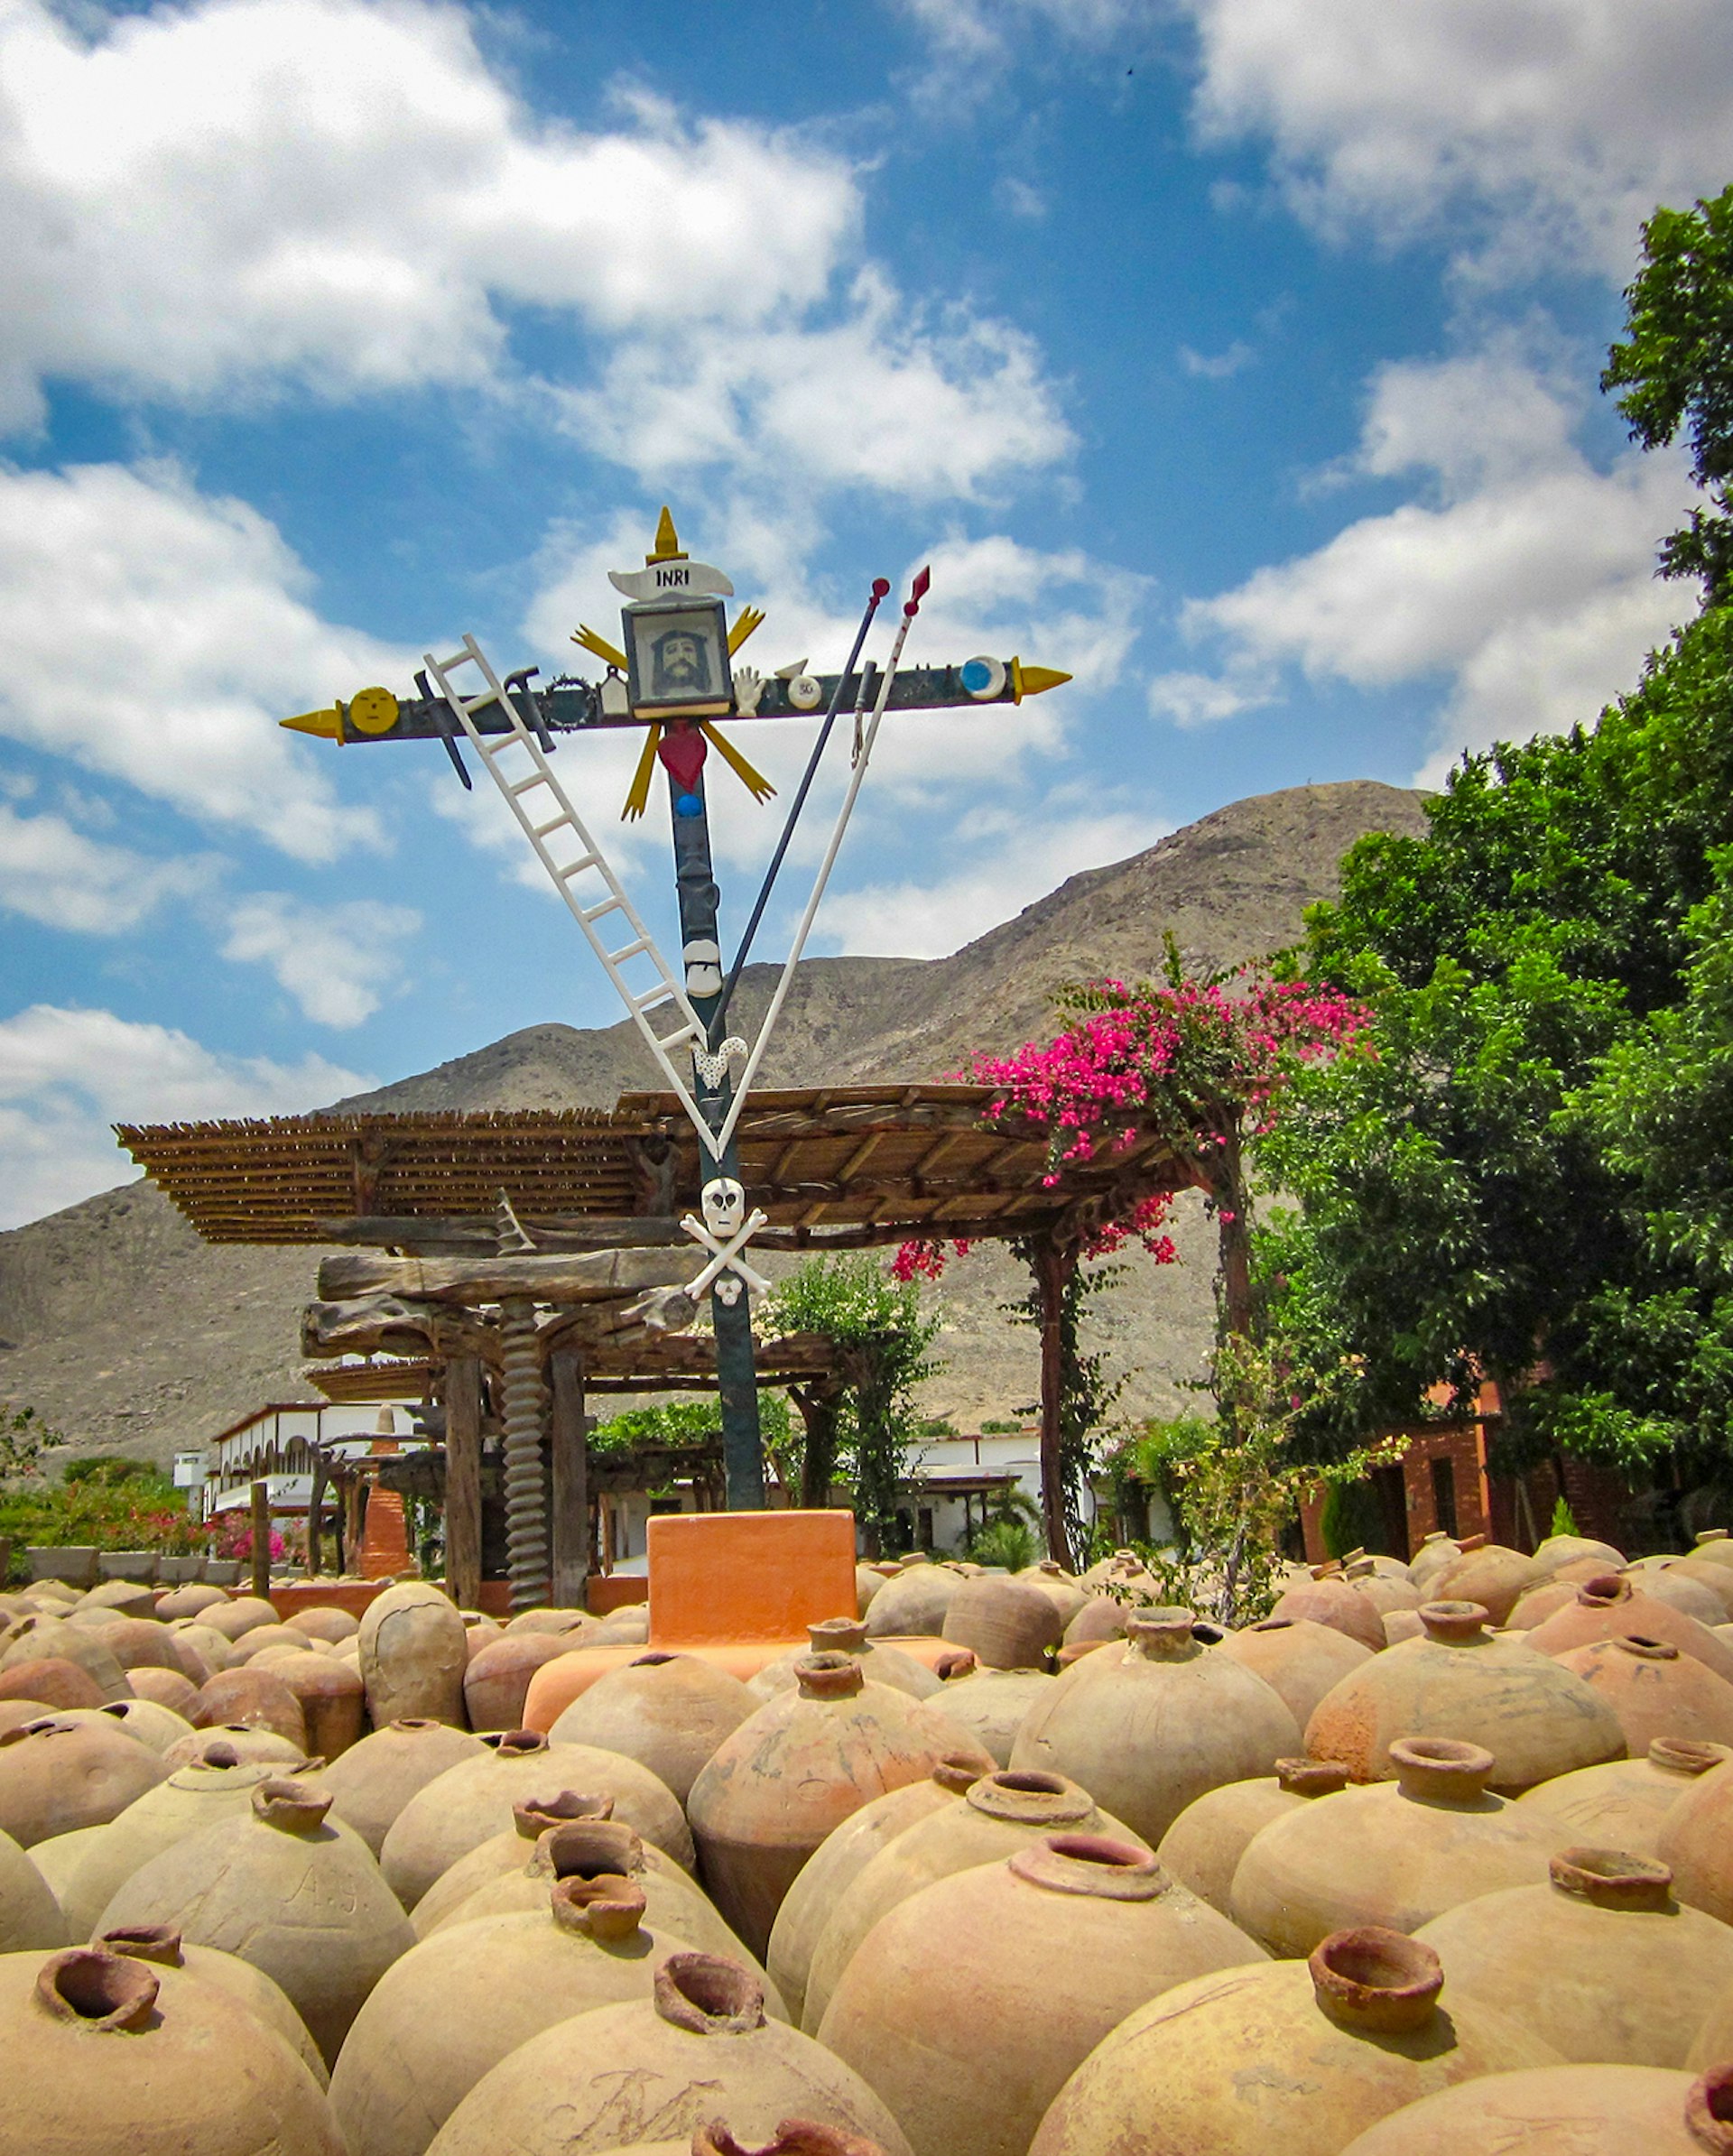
point(667, 540)
point(324, 726)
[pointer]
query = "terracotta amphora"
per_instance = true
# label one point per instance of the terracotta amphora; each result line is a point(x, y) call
point(1436, 1551)
point(58, 1775)
point(1006, 1623)
point(1603, 1964)
point(264, 1638)
point(286, 1889)
point(1656, 1691)
point(510, 1852)
point(52, 1683)
point(840, 1859)
point(1203, 1846)
point(1695, 1841)
point(333, 1703)
point(1493, 1576)
point(1395, 1855)
point(968, 2042)
point(1715, 1545)
point(879, 1664)
point(1101, 1617)
point(667, 1711)
point(1714, 1578)
point(156, 1727)
point(325, 1620)
point(1535, 1718)
point(701, 2047)
point(162, 1947)
point(30, 1921)
point(914, 1602)
point(1000, 1813)
point(1558, 1551)
point(1290, 2056)
point(1298, 1658)
point(457, 2003)
point(628, 1627)
point(1685, 1591)
point(496, 1682)
point(1149, 1727)
point(1610, 1607)
point(1621, 1804)
point(796, 1769)
point(1068, 1592)
point(243, 1614)
point(374, 1780)
point(103, 2055)
point(138, 1643)
point(1328, 1599)
point(256, 1700)
point(53, 1639)
point(472, 1802)
point(166, 1687)
point(1564, 2110)
point(60, 1856)
point(1386, 1591)
point(189, 1601)
point(991, 1705)
point(229, 1742)
point(414, 1651)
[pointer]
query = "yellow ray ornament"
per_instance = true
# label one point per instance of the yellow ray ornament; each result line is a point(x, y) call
point(638, 799)
point(749, 776)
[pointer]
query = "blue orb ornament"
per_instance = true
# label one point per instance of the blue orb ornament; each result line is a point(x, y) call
point(687, 804)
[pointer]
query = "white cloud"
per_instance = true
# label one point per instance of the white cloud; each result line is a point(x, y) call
point(1525, 583)
point(1218, 366)
point(1018, 858)
point(65, 1074)
point(1530, 133)
point(337, 961)
point(52, 873)
point(155, 635)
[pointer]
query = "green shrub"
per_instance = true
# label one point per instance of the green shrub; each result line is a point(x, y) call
point(1006, 1542)
point(110, 1468)
point(1564, 1520)
point(1352, 1518)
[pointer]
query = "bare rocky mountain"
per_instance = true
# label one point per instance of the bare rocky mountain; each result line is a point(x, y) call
point(126, 1330)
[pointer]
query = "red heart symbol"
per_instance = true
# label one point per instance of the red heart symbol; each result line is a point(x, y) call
point(682, 749)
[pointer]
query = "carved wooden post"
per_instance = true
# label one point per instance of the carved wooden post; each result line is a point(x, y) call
point(1053, 1266)
point(569, 1442)
point(463, 1480)
point(261, 1519)
point(315, 1506)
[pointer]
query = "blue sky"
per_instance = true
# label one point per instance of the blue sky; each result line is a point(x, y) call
point(1238, 355)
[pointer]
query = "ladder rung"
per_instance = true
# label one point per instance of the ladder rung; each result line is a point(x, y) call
point(608, 905)
point(536, 778)
point(446, 666)
point(667, 1040)
point(578, 868)
point(541, 829)
point(664, 994)
point(629, 950)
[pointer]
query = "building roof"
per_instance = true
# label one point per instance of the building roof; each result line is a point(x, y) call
point(665, 1363)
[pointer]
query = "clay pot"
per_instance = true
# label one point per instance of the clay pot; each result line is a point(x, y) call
point(288, 1891)
point(231, 1741)
point(1695, 1841)
point(1203, 1846)
point(1713, 1578)
point(191, 1799)
point(840, 1859)
point(1536, 1719)
point(456, 2004)
point(1559, 2111)
point(573, 1625)
point(1538, 1604)
point(17, 1714)
point(60, 1856)
point(1000, 1813)
point(1602, 1963)
point(414, 1651)
point(53, 1639)
point(1493, 1576)
point(1330, 1599)
point(156, 1728)
point(51, 1683)
point(374, 1780)
point(120, 1597)
point(668, 1712)
point(1609, 1607)
point(992, 1705)
point(1299, 1659)
point(262, 1638)
point(793, 1772)
point(914, 1602)
point(628, 1627)
point(1295, 2056)
point(56, 1776)
point(1149, 1727)
point(496, 1680)
point(977, 2083)
point(138, 1643)
point(700, 2045)
point(166, 1687)
point(1656, 1691)
point(1715, 1545)
point(1100, 1618)
point(1394, 1855)
point(867, 1585)
point(333, 1703)
point(246, 1614)
point(162, 1947)
point(1008, 1624)
point(1385, 1591)
point(836, 1635)
point(1558, 1551)
point(189, 1601)
point(1668, 1584)
point(105, 2052)
point(30, 1921)
point(472, 1802)
point(324, 1622)
point(1436, 1551)
point(251, 1700)
point(1621, 1805)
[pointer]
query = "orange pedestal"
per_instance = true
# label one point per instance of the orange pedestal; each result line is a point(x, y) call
point(748, 1576)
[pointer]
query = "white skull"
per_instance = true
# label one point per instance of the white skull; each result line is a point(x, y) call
point(727, 1289)
point(724, 1203)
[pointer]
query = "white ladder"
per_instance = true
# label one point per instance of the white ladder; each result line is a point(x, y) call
point(549, 818)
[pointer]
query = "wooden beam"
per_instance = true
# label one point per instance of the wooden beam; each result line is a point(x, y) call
point(260, 1515)
point(452, 1234)
point(561, 1278)
point(569, 1443)
point(463, 1480)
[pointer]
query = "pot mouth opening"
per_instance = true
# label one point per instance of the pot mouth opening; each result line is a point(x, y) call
point(1708, 2110)
point(792, 2137)
point(607, 1907)
point(653, 1659)
point(1604, 1589)
point(1440, 1768)
point(535, 1815)
point(595, 1848)
point(1646, 1648)
point(828, 1676)
point(1686, 1755)
point(958, 1773)
point(1454, 1620)
point(99, 1989)
point(709, 1995)
point(293, 1806)
point(513, 1743)
point(1091, 1864)
point(1274, 1625)
point(836, 1635)
point(416, 1722)
point(1029, 1797)
point(1375, 1979)
point(1310, 1777)
point(145, 1942)
point(1612, 1878)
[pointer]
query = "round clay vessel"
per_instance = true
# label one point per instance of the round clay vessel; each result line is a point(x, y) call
point(231, 1741)
point(30, 1921)
point(414, 1651)
point(1558, 1551)
point(793, 1772)
point(202, 1652)
point(661, 2069)
point(1656, 1691)
point(1299, 1659)
point(161, 1947)
point(511, 1853)
point(628, 1627)
point(991, 1705)
point(333, 1703)
point(1668, 1584)
point(51, 1683)
point(976, 2082)
point(1712, 2044)
point(1436, 1551)
point(573, 1625)
point(904, 1672)
point(1715, 1544)
point(1538, 1604)
point(1563, 2110)
point(1714, 1579)
point(156, 1727)
point(457, 2003)
point(1290, 2056)
point(262, 1638)
point(1149, 1727)
point(1395, 1854)
point(840, 1859)
point(246, 1614)
point(56, 1776)
point(497, 1679)
point(1330, 1599)
point(15, 1713)
point(1536, 1719)
point(288, 1891)
point(1008, 1624)
point(53, 1639)
point(1000, 1813)
point(102, 2054)
point(1609, 1607)
point(867, 1585)
point(166, 1687)
point(1493, 1576)
point(668, 1711)
point(1069, 1594)
point(1203, 1846)
point(1386, 1591)
point(1602, 1963)
point(1102, 1617)
point(139, 1642)
point(1695, 1841)
point(189, 1601)
point(374, 1780)
point(253, 1698)
point(913, 1603)
point(472, 1802)
point(1620, 1805)
point(326, 1622)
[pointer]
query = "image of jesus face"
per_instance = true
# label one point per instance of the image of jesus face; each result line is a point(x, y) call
point(682, 665)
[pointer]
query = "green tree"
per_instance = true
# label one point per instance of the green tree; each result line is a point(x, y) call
point(1085, 1393)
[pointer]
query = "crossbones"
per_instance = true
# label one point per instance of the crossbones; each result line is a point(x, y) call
point(722, 1201)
